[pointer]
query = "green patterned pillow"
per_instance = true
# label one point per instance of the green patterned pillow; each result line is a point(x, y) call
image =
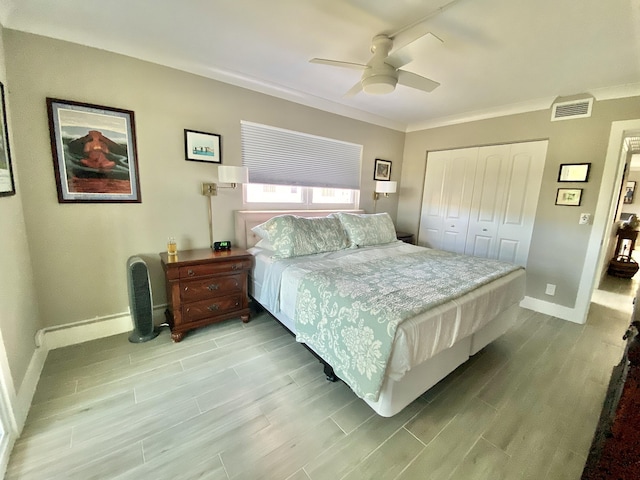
point(364, 230)
point(292, 236)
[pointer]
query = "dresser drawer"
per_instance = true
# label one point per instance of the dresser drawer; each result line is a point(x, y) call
point(203, 309)
point(210, 287)
point(214, 268)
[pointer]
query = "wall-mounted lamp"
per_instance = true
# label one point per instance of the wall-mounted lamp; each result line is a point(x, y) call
point(231, 177)
point(384, 188)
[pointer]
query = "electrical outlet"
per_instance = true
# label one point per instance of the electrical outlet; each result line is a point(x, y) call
point(584, 218)
point(551, 289)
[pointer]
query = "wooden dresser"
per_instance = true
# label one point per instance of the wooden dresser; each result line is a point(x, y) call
point(205, 287)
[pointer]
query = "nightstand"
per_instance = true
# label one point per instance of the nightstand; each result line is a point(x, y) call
point(405, 237)
point(205, 287)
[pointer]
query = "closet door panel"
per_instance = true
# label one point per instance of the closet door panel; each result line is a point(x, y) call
point(447, 199)
point(526, 164)
point(488, 201)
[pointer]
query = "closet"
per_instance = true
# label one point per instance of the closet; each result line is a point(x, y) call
point(482, 201)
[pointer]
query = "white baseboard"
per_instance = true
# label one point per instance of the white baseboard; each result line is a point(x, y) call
point(78, 332)
point(553, 309)
point(28, 387)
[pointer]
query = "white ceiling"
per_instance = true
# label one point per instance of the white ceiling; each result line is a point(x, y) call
point(498, 56)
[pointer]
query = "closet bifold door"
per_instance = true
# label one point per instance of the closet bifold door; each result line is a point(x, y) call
point(446, 199)
point(482, 201)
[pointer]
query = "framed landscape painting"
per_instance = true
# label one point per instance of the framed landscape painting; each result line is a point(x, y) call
point(94, 153)
point(7, 185)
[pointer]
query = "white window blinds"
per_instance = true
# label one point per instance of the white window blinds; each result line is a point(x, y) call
point(284, 157)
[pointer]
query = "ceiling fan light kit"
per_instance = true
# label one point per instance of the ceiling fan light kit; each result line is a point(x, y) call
point(379, 84)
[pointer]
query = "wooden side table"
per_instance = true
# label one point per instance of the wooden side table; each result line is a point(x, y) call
point(205, 287)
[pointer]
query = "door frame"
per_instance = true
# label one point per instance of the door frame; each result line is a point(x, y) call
point(605, 209)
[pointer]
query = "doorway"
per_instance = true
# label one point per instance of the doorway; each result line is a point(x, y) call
point(603, 233)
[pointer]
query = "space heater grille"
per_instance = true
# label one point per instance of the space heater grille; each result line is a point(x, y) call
point(140, 301)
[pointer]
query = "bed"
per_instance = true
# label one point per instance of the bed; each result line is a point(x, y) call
point(392, 347)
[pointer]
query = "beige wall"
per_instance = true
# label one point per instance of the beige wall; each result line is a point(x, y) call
point(559, 244)
point(19, 317)
point(80, 250)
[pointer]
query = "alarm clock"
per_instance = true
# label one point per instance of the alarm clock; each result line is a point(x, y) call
point(221, 246)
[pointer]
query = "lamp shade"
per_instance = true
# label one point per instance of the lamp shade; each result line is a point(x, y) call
point(386, 187)
point(229, 174)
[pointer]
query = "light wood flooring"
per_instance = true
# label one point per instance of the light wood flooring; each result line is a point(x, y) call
point(234, 401)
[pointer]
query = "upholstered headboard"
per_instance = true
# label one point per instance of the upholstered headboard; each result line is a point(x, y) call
point(247, 219)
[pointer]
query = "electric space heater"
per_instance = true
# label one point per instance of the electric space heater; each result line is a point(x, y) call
point(140, 302)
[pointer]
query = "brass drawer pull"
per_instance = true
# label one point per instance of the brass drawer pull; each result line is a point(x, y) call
point(213, 286)
point(191, 273)
point(213, 308)
point(235, 267)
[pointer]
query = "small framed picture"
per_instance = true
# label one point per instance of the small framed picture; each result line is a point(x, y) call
point(574, 172)
point(382, 170)
point(94, 153)
point(7, 185)
point(569, 196)
point(630, 190)
point(202, 147)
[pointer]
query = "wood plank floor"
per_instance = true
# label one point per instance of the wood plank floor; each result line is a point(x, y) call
point(234, 401)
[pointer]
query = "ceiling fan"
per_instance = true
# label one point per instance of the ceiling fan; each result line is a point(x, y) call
point(382, 72)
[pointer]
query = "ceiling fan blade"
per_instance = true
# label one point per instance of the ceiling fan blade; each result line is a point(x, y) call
point(337, 63)
point(416, 30)
point(357, 88)
point(413, 80)
point(398, 60)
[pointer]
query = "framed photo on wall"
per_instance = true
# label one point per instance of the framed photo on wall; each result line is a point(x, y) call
point(574, 172)
point(569, 196)
point(7, 185)
point(94, 153)
point(202, 147)
point(382, 170)
point(629, 192)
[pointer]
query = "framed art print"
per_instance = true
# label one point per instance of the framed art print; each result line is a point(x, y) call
point(202, 147)
point(94, 153)
point(7, 185)
point(569, 196)
point(574, 172)
point(382, 170)
point(629, 192)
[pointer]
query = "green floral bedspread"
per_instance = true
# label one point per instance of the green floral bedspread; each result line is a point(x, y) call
point(349, 315)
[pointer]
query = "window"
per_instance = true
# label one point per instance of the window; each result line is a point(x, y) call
point(274, 196)
point(293, 168)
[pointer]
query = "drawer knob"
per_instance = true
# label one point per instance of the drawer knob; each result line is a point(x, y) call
point(235, 266)
point(213, 286)
point(213, 307)
point(191, 273)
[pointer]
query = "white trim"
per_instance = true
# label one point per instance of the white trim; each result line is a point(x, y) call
point(607, 93)
point(29, 385)
point(78, 332)
point(7, 414)
point(553, 309)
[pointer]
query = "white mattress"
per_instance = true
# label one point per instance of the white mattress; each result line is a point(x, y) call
point(275, 285)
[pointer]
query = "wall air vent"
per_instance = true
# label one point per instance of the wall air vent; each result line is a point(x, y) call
point(572, 109)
